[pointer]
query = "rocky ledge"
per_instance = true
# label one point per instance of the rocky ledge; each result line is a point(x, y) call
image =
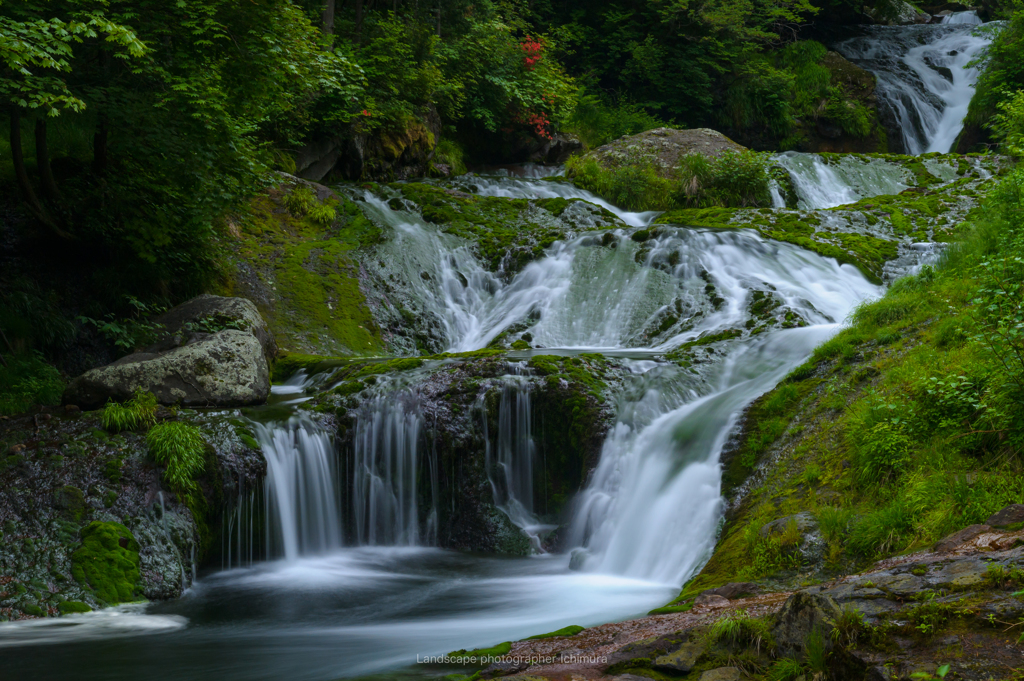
point(959, 605)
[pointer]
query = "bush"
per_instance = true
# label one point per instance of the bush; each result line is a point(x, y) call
point(597, 122)
point(179, 447)
point(135, 413)
point(634, 186)
point(732, 179)
point(27, 380)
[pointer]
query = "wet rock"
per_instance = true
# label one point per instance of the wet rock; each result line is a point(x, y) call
point(227, 368)
point(1010, 515)
point(682, 660)
point(721, 674)
point(802, 614)
point(711, 601)
point(957, 538)
point(734, 590)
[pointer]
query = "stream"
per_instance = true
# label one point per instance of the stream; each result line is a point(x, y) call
point(326, 608)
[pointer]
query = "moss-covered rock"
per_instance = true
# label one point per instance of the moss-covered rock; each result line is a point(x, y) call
point(108, 562)
point(296, 261)
point(506, 233)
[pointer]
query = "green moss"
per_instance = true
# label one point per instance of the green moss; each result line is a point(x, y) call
point(71, 607)
point(571, 630)
point(309, 265)
point(108, 562)
point(507, 233)
point(287, 364)
point(494, 651)
point(71, 501)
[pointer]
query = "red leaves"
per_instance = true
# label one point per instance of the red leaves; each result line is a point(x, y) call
point(533, 51)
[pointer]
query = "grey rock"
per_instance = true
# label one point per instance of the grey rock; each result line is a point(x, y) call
point(236, 312)
point(227, 368)
point(901, 585)
point(682, 660)
point(965, 535)
point(734, 590)
point(721, 674)
point(802, 614)
point(1008, 516)
point(711, 601)
point(959, 574)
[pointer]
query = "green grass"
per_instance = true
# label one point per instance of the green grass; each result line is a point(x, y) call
point(138, 412)
point(179, 447)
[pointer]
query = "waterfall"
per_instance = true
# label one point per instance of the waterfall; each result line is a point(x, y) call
point(302, 478)
point(925, 76)
point(821, 184)
point(970, 17)
point(385, 472)
point(511, 459)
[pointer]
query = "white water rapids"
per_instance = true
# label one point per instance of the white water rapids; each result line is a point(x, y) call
point(648, 516)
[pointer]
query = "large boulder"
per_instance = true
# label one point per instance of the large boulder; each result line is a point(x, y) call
point(663, 148)
point(213, 352)
point(802, 615)
point(209, 313)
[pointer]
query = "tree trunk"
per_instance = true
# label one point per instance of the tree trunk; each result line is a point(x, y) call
point(99, 148)
point(18, 158)
point(43, 165)
point(359, 22)
point(329, 17)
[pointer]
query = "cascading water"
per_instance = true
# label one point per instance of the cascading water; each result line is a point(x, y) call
point(926, 76)
point(385, 471)
point(511, 458)
point(820, 184)
point(301, 488)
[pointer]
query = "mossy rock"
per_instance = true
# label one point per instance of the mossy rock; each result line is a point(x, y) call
point(72, 607)
point(108, 562)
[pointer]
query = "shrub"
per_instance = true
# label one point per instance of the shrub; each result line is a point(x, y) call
point(300, 200)
point(135, 413)
point(732, 179)
point(179, 447)
point(27, 380)
point(597, 122)
point(322, 213)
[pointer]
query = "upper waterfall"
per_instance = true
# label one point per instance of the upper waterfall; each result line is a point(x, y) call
point(926, 76)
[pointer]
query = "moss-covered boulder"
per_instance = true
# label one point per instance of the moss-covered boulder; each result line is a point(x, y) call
point(294, 256)
point(662, 148)
point(108, 562)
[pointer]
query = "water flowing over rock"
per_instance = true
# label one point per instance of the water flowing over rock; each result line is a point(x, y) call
point(926, 77)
